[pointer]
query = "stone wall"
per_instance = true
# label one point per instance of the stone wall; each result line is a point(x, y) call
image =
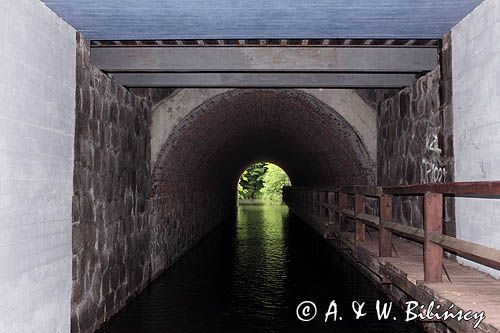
point(415, 143)
point(111, 235)
point(37, 114)
point(476, 123)
point(180, 219)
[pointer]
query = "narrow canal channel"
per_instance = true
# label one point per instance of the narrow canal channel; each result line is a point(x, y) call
point(250, 276)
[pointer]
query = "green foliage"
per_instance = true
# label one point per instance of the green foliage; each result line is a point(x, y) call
point(274, 180)
point(252, 180)
point(262, 181)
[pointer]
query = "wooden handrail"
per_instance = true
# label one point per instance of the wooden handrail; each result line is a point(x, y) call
point(349, 213)
point(431, 235)
point(372, 221)
point(458, 188)
point(481, 254)
point(482, 188)
point(367, 190)
point(406, 231)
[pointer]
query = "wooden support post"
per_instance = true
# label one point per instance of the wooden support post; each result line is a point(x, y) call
point(433, 223)
point(320, 205)
point(359, 208)
point(310, 196)
point(384, 234)
point(321, 212)
point(331, 212)
point(342, 205)
point(331, 208)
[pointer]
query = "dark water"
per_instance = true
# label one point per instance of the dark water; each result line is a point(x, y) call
point(250, 276)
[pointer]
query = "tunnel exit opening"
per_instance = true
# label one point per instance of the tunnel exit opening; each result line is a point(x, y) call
point(262, 182)
point(197, 167)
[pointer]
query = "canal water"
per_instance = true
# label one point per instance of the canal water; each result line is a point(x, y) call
point(250, 276)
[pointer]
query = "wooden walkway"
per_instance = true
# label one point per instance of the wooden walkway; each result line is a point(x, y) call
point(469, 289)
point(406, 262)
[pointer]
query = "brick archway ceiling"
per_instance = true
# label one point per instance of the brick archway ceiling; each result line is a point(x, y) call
point(210, 148)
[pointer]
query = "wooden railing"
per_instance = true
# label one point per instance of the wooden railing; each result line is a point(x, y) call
point(329, 207)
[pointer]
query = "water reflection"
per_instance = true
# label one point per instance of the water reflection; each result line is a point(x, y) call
point(249, 276)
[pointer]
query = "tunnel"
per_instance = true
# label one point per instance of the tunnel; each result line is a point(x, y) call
point(311, 141)
point(195, 176)
point(208, 166)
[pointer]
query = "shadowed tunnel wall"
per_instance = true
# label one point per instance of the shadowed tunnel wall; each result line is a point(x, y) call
point(196, 172)
point(132, 218)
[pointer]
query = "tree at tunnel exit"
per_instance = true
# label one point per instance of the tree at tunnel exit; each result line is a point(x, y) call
point(262, 181)
point(251, 181)
point(274, 180)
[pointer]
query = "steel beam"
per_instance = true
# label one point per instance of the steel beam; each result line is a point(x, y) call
point(266, 59)
point(264, 80)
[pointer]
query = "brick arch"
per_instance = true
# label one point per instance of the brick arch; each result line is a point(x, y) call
point(195, 175)
point(208, 148)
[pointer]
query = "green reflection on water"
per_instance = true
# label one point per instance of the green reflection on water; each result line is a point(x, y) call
point(261, 250)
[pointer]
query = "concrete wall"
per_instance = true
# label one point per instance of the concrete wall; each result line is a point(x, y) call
point(476, 105)
point(37, 94)
point(111, 234)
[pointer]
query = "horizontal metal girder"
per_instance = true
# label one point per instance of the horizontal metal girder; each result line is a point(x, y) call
point(266, 59)
point(265, 80)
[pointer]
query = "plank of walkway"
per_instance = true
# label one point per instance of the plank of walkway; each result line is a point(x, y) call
point(276, 59)
point(470, 290)
point(264, 80)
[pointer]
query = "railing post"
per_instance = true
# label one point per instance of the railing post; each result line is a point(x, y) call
point(342, 205)
point(359, 208)
point(311, 200)
point(318, 206)
point(321, 197)
point(385, 235)
point(331, 210)
point(433, 222)
point(321, 208)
